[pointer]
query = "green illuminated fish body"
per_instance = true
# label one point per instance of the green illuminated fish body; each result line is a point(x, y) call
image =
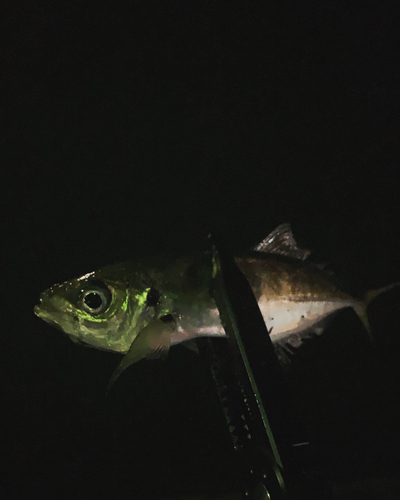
point(142, 308)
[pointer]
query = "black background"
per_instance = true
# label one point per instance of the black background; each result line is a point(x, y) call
point(132, 128)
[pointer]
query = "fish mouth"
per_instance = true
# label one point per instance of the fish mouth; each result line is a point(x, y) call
point(42, 311)
point(44, 315)
point(38, 311)
point(45, 309)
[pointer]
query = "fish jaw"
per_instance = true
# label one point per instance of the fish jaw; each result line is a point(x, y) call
point(54, 310)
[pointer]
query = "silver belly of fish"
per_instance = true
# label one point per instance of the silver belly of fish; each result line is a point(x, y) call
point(282, 318)
point(285, 317)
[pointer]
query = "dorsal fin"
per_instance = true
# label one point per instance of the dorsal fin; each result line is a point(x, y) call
point(282, 242)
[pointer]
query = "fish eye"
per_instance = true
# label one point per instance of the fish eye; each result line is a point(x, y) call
point(95, 298)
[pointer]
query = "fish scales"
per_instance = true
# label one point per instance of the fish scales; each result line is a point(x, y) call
point(141, 308)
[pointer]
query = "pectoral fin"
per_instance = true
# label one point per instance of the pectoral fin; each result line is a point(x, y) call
point(152, 342)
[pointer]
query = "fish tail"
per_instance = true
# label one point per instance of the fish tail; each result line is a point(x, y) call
point(363, 315)
point(368, 298)
point(372, 294)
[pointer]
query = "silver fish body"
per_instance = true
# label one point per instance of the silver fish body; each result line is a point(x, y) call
point(144, 307)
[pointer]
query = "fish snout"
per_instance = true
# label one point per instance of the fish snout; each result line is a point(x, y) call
point(37, 310)
point(45, 306)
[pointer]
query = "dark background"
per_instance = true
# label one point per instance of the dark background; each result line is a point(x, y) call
point(139, 127)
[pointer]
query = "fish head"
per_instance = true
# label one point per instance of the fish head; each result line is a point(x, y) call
point(98, 309)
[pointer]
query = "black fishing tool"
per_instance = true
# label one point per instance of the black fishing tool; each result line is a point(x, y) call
point(266, 431)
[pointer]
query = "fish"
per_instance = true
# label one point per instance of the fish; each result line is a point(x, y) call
point(141, 308)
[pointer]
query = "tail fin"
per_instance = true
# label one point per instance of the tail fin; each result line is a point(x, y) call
point(361, 310)
point(368, 298)
point(372, 294)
